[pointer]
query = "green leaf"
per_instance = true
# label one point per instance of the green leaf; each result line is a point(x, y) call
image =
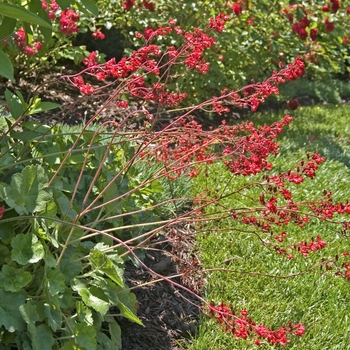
point(93, 296)
point(116, 335)
point(10, 316)
point(26, 249)
point(6, 68)
point(70, 268)
point(13, 279)
point(84, 313)
point(7, 27)
point(55, 282)
point(91, 6)
point(100, 262)
point(22, 14)
point(29, 312)
point(27, 193)
point(42, 107)
point(15, 104)
point(53, 316)
point(121, 297)
point(85, 336)
point(42, 338)
point(71, 346)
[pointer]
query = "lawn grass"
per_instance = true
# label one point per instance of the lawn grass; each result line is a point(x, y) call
point(321, 302)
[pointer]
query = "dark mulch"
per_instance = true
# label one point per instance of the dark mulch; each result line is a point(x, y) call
point(170, 315)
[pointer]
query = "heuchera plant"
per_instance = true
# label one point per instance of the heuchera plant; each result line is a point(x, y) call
point(183, 145)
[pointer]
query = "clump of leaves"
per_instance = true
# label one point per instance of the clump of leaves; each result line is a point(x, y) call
point(61, 265)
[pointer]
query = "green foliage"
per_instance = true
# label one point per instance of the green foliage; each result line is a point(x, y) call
point(62, 261)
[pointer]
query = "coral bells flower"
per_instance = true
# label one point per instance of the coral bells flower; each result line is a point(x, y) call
point(335, 5)
point(293, 104)
point(20, 39)
point(329, 25)
point(237, 9)
point(128, 4)
point(148, 5)
point(313, 33)
point(68, 19)
point(98, 35)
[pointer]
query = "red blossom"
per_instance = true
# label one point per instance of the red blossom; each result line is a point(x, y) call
point(149, 5)
point(128, 4)
point(2, 210)
point(293, 104)
point(237, 9)
point(313, 33)
point(98, 35)
point(335, 5)
point(68, 19)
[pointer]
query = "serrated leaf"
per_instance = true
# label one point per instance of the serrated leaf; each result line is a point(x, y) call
point(93, 296)
point(53, 316)
point(27, 192)
point(29, 312)
point(55, 282)
point(116, 335)
point(70, 268)
point(13, 279)
point(91, 6)
point(26, 249)
point(84, 313)
point(100, 262)
point(6, 67)
point(42, 338)
point(10, 316)
point(22, 14)
point(122, 298)
point(85, 336)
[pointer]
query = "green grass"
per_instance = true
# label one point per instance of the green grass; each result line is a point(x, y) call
point(321, 303)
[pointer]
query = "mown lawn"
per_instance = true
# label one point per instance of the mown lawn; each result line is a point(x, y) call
point(321, 302)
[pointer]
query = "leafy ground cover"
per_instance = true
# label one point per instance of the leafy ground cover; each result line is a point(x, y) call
point(245, 273)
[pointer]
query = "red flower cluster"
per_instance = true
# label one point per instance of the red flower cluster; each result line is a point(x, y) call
point(91, 61)
point(128, 4)
point(68, 21)
point(98, 35)
point(300, 27)
point(305, 247)
point(243, 327)
point(237, 9)
point(21, 42)
point(293, 104)
point(328, 25)
point(218, 22)
point(50, 10)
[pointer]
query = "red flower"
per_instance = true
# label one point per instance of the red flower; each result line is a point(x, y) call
point(149, 5)
point(329, 25)
point(98, 35)
point(237, 9)
point(348, 10)
point(2, 209)
point(325, 8)
point(313, 33)
point(128, 4)
point(335, 5)
point(293, 104)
